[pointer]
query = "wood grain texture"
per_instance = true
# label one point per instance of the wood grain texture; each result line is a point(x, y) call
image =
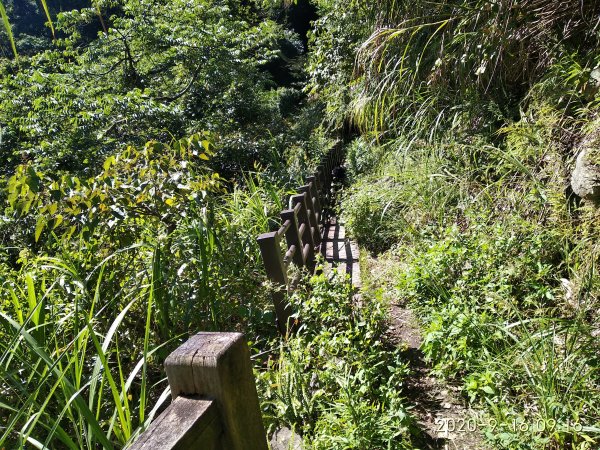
point(217, 366)
point(188, 423)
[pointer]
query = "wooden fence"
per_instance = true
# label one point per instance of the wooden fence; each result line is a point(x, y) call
point(301, 225)
point(215, 404)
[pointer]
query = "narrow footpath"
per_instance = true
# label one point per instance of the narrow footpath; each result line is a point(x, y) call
point(442, 415)
point(446, 422)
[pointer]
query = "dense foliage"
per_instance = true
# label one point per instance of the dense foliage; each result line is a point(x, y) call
point(144, 149)
point(335, 382)
point(473, 113)
point(146, 143)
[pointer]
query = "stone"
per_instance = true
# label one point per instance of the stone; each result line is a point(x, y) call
point(585, 180)
point(286, 439)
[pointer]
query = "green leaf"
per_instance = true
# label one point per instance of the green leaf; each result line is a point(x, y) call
point(39, 227)
point(34, 311)
point(57, 221)
point(109, 162)
point(33, 180)
point(488, 390)
point(17, 305)
point(8, 29)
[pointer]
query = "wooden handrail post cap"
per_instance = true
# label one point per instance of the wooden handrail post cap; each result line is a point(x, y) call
point(216, 366)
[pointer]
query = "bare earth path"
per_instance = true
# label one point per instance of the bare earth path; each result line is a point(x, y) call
point(442, 415)
point(446, 422)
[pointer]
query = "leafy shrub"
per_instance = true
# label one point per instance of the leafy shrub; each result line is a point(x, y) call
point(335, 381)
point(373, 212)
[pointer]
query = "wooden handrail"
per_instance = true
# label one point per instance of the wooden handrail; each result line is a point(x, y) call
point(215, 405)
point(301, 225)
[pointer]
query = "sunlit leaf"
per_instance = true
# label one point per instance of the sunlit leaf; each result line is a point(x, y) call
point(8, 29)
point(39, 227)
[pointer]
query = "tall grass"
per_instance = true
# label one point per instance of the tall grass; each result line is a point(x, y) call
point(426, 64)
point(63, 375)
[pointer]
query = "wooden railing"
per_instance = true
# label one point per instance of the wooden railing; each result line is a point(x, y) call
point(301, 226)
point(215, 404)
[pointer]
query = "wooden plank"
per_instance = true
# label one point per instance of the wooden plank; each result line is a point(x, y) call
point(217, 366)
point(188, 423)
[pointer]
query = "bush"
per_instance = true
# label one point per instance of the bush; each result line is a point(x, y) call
point(335, 381)
point(373, 212)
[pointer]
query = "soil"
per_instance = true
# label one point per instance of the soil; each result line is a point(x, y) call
point(447, 423)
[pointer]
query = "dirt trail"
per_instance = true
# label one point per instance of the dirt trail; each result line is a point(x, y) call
point(446, 422)
point(442, 415)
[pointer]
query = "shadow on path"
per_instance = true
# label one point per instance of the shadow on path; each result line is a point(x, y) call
point(441, 414)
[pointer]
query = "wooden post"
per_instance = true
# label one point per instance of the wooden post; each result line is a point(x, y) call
point(292, 236)
point(313, 184)
point(312, 213)
point(217, 366)
point(307, 236)
point(215, 405)
point(275, 268)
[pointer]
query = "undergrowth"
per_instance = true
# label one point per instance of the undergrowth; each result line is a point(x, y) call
point(501, 267)
point(335, 382)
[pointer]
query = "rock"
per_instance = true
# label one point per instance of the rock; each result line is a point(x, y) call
point(585, 180)
point(286, 439)
point(567, 285)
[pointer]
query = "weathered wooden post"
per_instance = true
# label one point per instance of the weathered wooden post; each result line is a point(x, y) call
point(305, 229)
point(314, 186)
point(292, 234)
point(276, 271)
point(215, 404)
point(313, 217)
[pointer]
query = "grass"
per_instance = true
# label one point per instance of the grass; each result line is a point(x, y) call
point(62, 370)
point(501, 270)
point(336, 382)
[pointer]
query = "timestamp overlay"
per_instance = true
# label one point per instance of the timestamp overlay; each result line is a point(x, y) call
point(447, 427)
